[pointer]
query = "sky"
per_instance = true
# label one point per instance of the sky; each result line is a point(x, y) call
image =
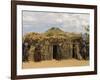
point(40, 22)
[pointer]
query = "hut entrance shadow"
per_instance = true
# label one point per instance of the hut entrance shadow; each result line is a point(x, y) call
point(55, 51)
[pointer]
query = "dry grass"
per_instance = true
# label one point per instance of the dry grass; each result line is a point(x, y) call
point(55, 63)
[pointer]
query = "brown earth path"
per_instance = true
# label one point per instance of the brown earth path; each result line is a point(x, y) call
point(55, 63)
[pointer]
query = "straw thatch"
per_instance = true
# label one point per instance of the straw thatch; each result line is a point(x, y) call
point(53, 44)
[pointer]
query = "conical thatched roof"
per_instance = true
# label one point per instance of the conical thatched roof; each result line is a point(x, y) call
point(54, 31)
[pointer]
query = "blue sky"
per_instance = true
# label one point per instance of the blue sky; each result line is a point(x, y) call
point(41, 21)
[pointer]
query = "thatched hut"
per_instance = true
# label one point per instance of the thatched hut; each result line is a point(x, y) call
point(53, 44)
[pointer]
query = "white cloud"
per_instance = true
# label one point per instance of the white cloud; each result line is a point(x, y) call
point(41, 21)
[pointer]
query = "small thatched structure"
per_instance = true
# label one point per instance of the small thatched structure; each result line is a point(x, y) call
point(53, 44)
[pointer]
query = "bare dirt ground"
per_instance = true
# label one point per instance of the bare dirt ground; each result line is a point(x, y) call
point(55, 63)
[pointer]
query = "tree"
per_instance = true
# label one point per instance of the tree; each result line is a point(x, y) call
point(87, 33)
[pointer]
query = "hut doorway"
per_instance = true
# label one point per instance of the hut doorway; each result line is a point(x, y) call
point(73, 51)
point(55, 51)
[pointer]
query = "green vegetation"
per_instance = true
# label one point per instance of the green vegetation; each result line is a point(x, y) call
point(87, 33)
